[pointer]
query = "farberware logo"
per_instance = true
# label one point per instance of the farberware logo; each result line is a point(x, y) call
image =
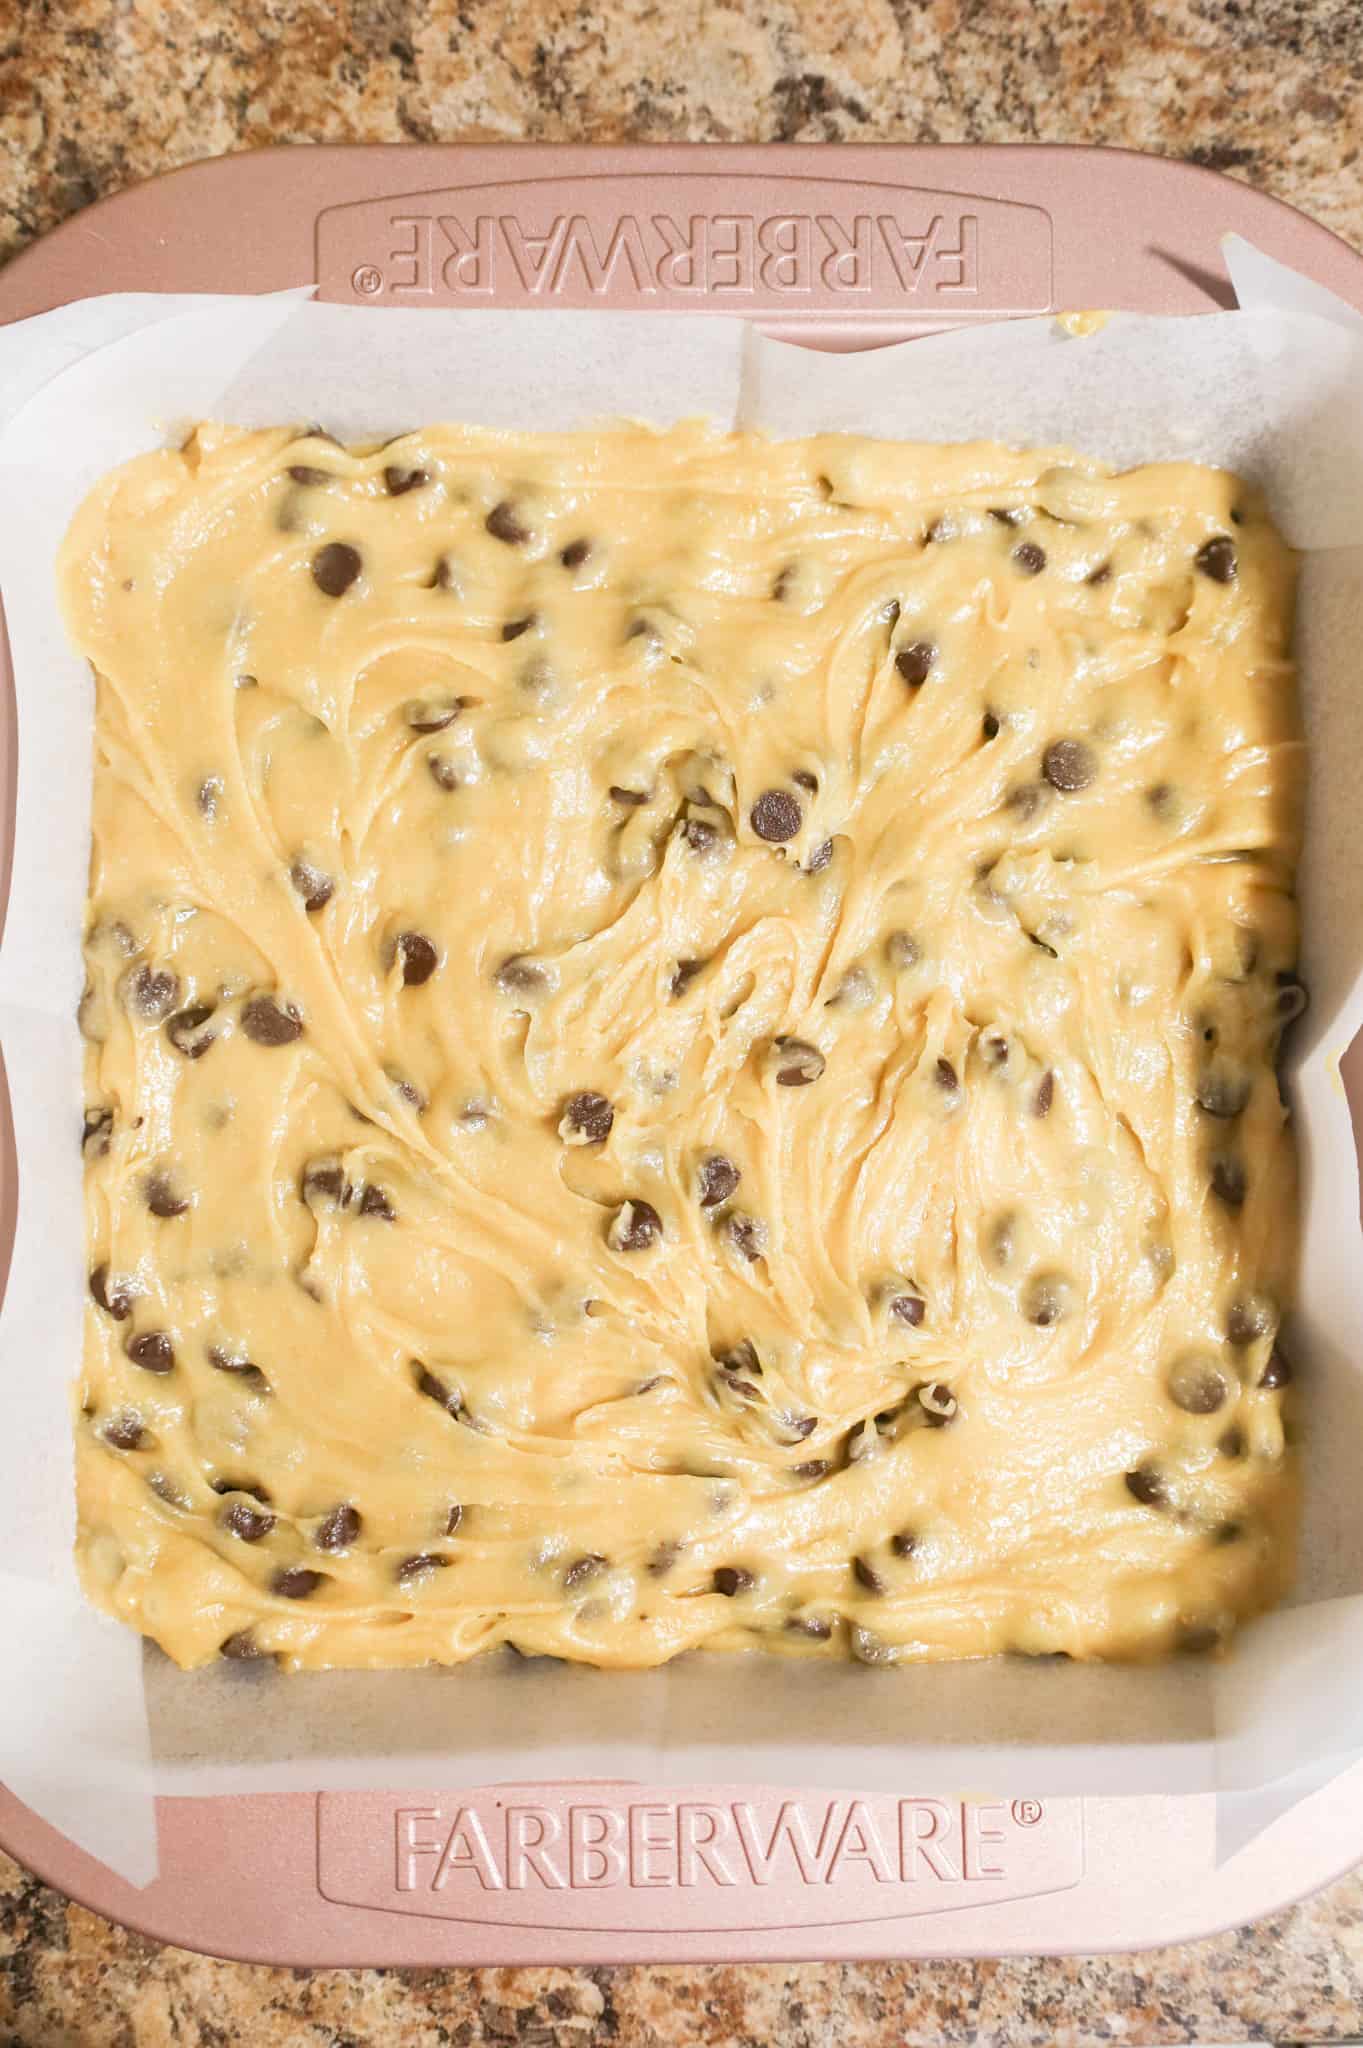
point(576, 1856)
point(749, 243)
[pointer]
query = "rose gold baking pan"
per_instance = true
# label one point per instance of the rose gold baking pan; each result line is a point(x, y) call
point(835, 248)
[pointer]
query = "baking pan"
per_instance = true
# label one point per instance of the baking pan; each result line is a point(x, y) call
point(834, 248)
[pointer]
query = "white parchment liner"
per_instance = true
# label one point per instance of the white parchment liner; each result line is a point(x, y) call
point(90, 1726)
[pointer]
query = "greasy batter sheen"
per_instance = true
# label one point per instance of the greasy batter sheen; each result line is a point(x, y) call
point(681, 1042)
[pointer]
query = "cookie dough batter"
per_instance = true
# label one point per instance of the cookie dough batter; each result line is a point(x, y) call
point(681, 1042)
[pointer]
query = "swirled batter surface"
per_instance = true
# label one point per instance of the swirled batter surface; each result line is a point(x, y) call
point(681, 1042)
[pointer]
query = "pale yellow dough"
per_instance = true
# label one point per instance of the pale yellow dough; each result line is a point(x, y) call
point(1040, 1100)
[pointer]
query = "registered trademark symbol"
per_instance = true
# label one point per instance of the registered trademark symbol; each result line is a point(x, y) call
point(367, 280)
point(1026, 1812)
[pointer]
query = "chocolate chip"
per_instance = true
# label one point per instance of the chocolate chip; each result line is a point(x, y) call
point(586, 1120)
point(634, 1227)
point(1222, 1092)
point(266, 1022)
point(374, 1202)
point(866, 1575)
point(903, 1543)
point(296, 1582)
point(741, 1357)
point(431, 714)
point(96, 1131)
point(1007, 515)
point(915, 662)
point(699, 834)
point(304, 473)
point(324, 1182)
point(241, 1647)
point(1197, 1385)
point(249, 1523)
point(989, 726)
point(520, 974)
point(1046, 1300)
point(243, 1486)
point(1102, 573)
point(1025, 799)
point(208, 796)
point(819, 858)
point(125, 1431)
point(335, 567)
point(716, 1179)
point(1045, 1094)
point(1028, 558)
point(902, 950)
point(315, 888)
point(186, 1033)
point(503, 524)
point(631, 798)
point(776, 816)
point(223, 1360)
point(453, 1519)
point(152, 1350)
point(1069, 765)
point(812, 1625)
point(575, 554)
point(442, 771)
point(662, 1560)
point(1229, 1182)
point(812, 1468)
point(152, 991)
point(339, 1529)
point(1216, 558)
point(1145, 1484)
point(435, 1390)
point(803, 779)
point(160, 1197)
point(400, 481)
point(747, 1236)
point(582, 1569)
point(1231, 1443)
point(731, 1579)
point(420, 1566)
point(683, 974)
point(514, 628)
point(1278, 1371)
point(1249, 1319)
point(418, 957)
point(796, 1062)
point(909, 1309)
point(945, 1076)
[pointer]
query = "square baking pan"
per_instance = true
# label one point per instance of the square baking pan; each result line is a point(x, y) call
point(833, 248)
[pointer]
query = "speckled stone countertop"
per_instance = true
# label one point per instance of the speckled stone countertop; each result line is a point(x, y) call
point(97, 93)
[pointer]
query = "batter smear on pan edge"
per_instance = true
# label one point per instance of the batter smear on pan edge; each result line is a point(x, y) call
point(680, 1048)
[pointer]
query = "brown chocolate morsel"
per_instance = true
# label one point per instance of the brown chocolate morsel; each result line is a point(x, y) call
point(741, 1357)
point(903, 1543)
point(249, 1523)
point(1278, 1371)
point(866, 1576)
point(909, 1309)
point(812, 1625)
point(812, 1468)
point(115, 1298)
point(776, 816)
point(186, 1033)
point(432, 714)
point(374, 1202)
point(662, 1560)
point(223, 1360)
point(716, 1179)
point(408, 1090)
point(1197, 1385)
point(1046, 1300)
point(1229, 1182)
point(945, 1076)
point(520, 974)
point(1102, 573)
point(634, 1227)
point(902, 950)
point(209, 795)
point(152, 992)
point(804, 779)
point(267, 1022)
point(1145, 1484)
point(796, 1062)
point(399, 481)
point(575, 554)
point(1216, 558)
point(339, 1529)
point(1222, 1092)
point(631, 798)
point(747, 1236)
point(442, 771)
point(819, 858)
point(683, 974)
point(582, 1569)
point(152, 1350)
point(699, 834)
point(1069, 765)
point(96, 1132)
point(315, 888)
point(586, 1120)
point(241, 1647)
point(1028, 558)
point(1025, 799)
point(503, 523)
point(453, 1518)
point(435, 1390)
point(513, 628)
point(418, 956)
point(1231, 1443)
point(125, 1431)
point(160, 1196)
point(304, 473)
point(1250, 1318)
point(1006, 515)
point(1045, 1094)
point(915, 662)
point(732, 1579)
point(335, 567)
point(324, 1182)
point(420, 1566)
point(296, 1582)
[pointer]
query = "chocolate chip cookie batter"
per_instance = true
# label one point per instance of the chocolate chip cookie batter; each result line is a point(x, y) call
point(680, 1049)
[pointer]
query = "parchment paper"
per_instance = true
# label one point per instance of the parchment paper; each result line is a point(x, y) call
point(90, 1724)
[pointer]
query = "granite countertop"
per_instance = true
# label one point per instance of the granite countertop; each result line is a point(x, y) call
point(95, 94)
